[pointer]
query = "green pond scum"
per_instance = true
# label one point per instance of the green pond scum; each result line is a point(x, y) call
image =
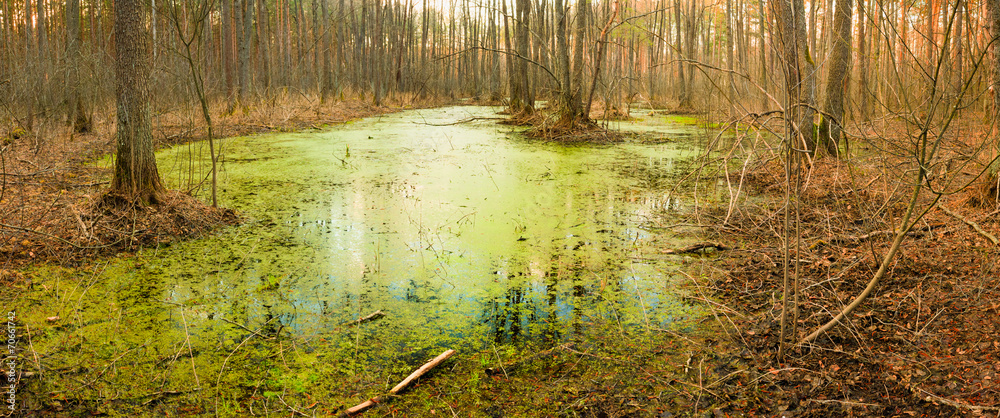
point(539, 263)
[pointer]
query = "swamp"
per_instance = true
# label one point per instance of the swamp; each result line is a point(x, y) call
point(500, 209)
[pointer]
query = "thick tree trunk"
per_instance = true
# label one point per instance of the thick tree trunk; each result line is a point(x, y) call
point(244, 39)
point(838, 80)
point(520, 102)
point(136, 176)
point(562, 53)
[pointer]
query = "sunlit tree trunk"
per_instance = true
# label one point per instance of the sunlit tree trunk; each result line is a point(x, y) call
point(135, 176)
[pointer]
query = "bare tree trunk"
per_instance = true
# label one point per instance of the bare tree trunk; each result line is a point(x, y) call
point(864, 91)
point(993, 10)
point(730, 57)
point(228, 52)
point(838, 80)
point(931, 40)
point(264, 43)
point(519, 84)
point(959, 69)
point(378, 55)
point(244, 39)
point(807, 107)
point(78, 114)
point(602, 46)
point(136, 176)
point(323, 46)
point(685, 100)
point(562, 53)
point(41, 27)
point(800, 82)
point(576, 103)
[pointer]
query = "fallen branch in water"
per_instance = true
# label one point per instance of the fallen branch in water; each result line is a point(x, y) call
point(374, 315)
point(696, 247)
point(459, 122)
point(402, 385)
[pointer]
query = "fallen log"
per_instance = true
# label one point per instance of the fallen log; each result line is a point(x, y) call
point(374, 315)
point(696, 247)
point(402, 385)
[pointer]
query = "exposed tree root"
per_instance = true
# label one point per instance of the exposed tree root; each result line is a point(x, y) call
point(572, 129)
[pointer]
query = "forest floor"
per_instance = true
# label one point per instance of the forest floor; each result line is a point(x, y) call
point(926, 343)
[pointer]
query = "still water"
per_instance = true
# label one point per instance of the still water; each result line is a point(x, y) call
point(464, 235)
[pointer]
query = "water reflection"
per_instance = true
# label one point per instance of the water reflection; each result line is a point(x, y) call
point(459, 233)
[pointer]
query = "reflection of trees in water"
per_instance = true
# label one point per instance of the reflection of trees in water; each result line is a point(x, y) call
point(504, 314)
point(539, 310)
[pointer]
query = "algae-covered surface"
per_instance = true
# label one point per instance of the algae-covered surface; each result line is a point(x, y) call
point(465, 236)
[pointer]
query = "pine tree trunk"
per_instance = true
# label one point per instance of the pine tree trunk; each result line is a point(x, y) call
point(136, 176)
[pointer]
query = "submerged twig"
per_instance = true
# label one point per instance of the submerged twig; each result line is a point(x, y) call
point(372, 316)
point(403, 384)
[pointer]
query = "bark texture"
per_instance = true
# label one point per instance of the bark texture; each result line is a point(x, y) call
point(838, 80)
point(136, 176)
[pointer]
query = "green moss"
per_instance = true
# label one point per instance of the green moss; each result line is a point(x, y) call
point(467, 236)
